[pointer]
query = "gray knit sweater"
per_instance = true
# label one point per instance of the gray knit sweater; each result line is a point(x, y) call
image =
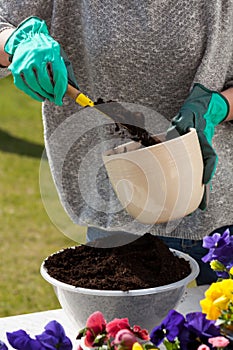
point(150, 53)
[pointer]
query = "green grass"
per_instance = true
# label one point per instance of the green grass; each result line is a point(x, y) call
point(27, 234)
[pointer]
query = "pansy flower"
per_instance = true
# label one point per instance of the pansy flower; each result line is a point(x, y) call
point(196, 331)
point(21, 340)
point(141, 333)
point(220, 247)
point(95, 325)
point(124, 340)
point(220, 342)
point(169, 328)
point(3, 346)
point(116, 325)
point(217, 298)
point(203, 347)
point(217, 240)
point(52, 338)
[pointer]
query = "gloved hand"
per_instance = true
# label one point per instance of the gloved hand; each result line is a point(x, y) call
point(202, 110)
point(36, 63)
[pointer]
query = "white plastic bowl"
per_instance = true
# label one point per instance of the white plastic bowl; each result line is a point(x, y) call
point(144, 307)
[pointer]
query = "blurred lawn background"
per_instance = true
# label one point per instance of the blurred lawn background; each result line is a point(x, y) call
point(27, 235)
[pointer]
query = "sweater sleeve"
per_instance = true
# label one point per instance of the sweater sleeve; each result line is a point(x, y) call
point(13, 12)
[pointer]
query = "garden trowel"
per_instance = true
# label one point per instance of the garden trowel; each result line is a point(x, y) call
point(133, 122)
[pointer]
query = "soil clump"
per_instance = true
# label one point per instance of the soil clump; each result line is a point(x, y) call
point(127, 123)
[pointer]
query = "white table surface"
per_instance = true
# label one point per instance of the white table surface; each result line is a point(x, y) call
point(34, 323)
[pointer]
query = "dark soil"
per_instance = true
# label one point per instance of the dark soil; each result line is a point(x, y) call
point(128, 124)
point(144, 263)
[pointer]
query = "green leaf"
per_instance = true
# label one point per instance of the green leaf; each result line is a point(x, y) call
point(171, 345)
point(100, 339)
point(81, 333)
point(148, 346)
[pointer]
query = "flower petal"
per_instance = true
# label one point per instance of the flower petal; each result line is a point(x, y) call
point(116, 325)
point(219, 341)
point(21, 340)
point(3, 346)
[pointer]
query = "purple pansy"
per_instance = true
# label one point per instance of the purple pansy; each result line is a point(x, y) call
point(220, 248)
point(196, 331)
point(52, 338)
point(3, 346)
point(224, 254)
point(21, 340)
point(226, 257)
point(222, 274)
point(169, 328)
point(217, 240)
point(197, 322)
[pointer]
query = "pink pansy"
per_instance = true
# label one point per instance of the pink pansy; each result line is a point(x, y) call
point(124, 339)
point(141, 333)
point(203, 347)
point(116, 325)
point(220, 342)
point(95, 325)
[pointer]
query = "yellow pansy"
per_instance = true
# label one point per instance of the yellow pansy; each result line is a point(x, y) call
point(138, 346)
point(221, 303)
point(211, 311)
point(217, 298)
point(227, 285)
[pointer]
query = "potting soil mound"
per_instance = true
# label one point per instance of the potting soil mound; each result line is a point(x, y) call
point(144, 263)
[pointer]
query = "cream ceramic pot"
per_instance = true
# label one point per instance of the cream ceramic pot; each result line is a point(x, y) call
point(159, 183)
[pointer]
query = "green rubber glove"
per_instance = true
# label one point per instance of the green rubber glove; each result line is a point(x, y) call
point(36, 64)
point(202, 110)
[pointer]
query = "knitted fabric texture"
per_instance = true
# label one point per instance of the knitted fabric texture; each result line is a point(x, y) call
point(149, 53)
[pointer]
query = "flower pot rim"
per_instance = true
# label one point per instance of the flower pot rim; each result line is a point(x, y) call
point(139, 149)
point(134, 292)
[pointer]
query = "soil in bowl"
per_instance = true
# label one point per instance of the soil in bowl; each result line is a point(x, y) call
point(144, 263)
point(128, 124)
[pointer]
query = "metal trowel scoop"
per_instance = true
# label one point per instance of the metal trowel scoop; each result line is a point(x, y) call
point(133, 122)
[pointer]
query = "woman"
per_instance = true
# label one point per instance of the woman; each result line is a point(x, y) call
point(148, 52)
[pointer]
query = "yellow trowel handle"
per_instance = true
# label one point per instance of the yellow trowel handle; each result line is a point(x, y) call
point(79, 97)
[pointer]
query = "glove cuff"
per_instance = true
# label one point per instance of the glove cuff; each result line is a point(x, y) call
point(218, 107)
point(26, 29)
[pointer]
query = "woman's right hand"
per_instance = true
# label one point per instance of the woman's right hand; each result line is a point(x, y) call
point(36, 63)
